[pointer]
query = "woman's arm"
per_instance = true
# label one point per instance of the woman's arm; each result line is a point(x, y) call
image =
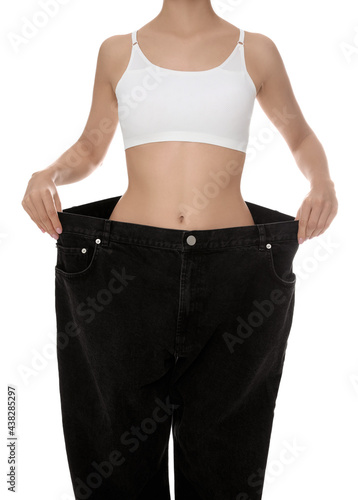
point(41, 200)
point(277, 100)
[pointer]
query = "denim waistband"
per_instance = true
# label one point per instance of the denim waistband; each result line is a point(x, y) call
point(93, 219)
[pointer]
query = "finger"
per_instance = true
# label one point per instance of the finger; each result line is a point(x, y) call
point(329, 220)
point(57, 202)
point(304, 214)
point(44, 214)
point(312, 222)
point(28, 210)
point(51, 211)
point(43, 217)
point(332, 212)
point(321, 225)
point(37, 218)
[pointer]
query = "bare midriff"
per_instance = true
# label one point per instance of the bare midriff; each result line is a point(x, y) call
point(183, 185)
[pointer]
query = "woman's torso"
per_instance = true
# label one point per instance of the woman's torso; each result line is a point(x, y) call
point(178, 184)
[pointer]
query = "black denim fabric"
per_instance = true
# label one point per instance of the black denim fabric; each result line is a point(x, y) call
point(161, 328)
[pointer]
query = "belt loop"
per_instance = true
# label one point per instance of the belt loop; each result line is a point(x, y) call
point(106, 232)
point(262, 235)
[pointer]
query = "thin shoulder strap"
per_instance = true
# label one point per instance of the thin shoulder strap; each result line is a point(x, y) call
point(134, 37)
point(242, 36)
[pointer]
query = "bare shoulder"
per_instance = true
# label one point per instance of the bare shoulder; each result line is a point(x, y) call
point(115, 44)
point(113, 56)
point(260, 44)
point(262, 57)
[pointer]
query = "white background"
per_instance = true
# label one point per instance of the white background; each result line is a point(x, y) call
point(45, 100)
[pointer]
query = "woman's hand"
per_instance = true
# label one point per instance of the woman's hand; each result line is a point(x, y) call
point(41, 202)
point(317, 211)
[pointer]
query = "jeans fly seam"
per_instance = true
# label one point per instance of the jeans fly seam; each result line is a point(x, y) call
point(182, 279)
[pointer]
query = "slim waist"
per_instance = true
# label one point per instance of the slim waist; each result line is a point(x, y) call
point(93, 219)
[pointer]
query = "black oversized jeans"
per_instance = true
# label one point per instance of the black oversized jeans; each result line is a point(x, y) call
point(161, 328)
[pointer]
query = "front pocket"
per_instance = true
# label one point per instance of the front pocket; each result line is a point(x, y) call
point(280, 256)
point(76, 254)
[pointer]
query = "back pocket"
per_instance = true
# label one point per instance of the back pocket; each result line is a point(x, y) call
point(76, 254)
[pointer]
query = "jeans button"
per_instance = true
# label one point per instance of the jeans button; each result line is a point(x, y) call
point(191, 240)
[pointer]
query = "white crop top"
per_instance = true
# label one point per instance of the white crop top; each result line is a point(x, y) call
point(212, 106)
